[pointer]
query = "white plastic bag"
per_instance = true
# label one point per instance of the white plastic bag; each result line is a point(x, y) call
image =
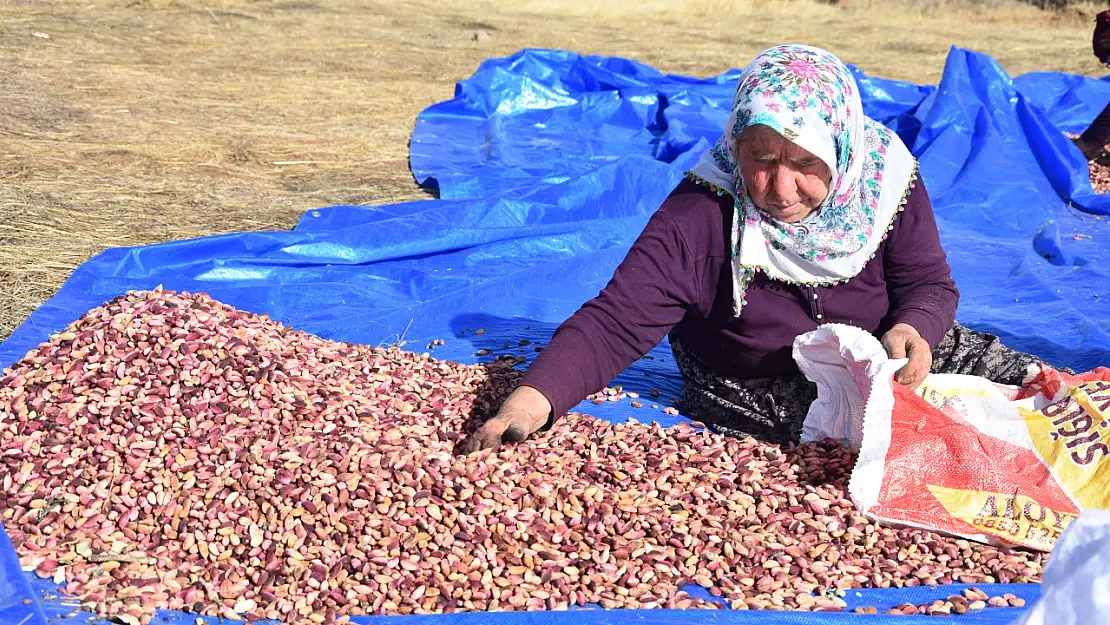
point(843, 361)
point(1075, 588)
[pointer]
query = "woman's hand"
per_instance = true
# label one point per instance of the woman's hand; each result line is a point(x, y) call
point(903, 341)
point(524, 412)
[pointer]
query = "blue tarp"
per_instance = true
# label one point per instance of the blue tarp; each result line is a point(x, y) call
point(548, 165)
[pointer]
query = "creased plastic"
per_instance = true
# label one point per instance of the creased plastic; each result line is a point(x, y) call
point(1076, 586)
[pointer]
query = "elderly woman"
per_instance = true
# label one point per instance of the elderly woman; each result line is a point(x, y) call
point(806, 212)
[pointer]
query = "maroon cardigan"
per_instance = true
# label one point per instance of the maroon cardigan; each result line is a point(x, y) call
point(677, 280)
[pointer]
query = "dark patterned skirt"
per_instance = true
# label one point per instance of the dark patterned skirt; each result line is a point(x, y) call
point(773, 409)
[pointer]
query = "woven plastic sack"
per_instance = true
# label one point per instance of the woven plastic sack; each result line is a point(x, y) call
point(961, 455)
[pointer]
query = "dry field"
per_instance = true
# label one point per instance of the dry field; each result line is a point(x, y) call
point(127, 122)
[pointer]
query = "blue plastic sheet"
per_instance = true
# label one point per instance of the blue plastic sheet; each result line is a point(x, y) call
point(1023, 227)
point(548, 165)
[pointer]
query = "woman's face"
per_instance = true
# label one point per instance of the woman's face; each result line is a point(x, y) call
point(784, 180)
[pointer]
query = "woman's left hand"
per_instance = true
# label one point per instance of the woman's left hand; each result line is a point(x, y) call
point(903, 341)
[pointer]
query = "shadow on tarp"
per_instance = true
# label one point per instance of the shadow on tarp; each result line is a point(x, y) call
point(654, 373)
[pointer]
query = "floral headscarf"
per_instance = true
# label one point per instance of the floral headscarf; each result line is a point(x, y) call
point(810, 97)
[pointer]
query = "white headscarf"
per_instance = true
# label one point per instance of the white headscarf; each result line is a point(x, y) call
point(809, 96)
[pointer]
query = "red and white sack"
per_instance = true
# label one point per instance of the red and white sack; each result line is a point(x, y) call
point(961, 455)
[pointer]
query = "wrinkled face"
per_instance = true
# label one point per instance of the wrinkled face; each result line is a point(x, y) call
point(784, 180)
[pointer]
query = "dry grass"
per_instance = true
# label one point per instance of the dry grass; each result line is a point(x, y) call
point(128, 122)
